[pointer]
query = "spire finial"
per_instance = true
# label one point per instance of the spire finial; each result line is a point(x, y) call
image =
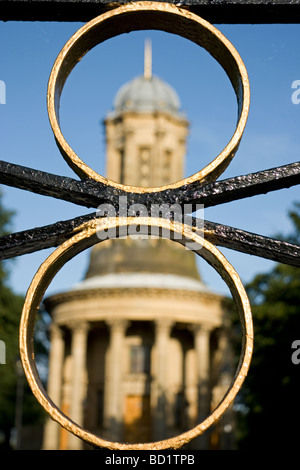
point(148, 60)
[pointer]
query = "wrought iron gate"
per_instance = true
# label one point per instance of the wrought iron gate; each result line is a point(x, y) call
point(91, 190)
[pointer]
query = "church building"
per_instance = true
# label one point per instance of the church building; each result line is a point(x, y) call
point(139, 348)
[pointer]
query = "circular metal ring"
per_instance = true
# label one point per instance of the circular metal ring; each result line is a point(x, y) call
point(143, 16)
point(89, 234)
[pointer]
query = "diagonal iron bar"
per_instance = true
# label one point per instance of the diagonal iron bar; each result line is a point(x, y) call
point(244, 186)
point(91, 194)
point(49, 236)
point(85, 193)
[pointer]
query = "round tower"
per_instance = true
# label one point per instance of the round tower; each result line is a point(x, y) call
point(145, 146)
point(133, 343)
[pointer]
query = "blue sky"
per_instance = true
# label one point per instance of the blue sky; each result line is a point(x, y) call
point(272, 56)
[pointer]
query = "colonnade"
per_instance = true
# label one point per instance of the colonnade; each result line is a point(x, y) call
point(113, 397)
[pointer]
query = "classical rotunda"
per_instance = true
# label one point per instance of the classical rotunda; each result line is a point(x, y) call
point(139, 348)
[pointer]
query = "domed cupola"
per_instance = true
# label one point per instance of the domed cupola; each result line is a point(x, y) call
point(144, 94)
point(146, 132)
point(147, 93)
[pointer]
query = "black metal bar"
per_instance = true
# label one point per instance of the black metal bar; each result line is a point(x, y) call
point(253, 244)
point(91, 194)
point(221, 11)
point(85, 193)
point(240, 187)
point(39, 238)
point(49, 236)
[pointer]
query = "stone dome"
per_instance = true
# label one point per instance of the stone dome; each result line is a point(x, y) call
point(147, 95)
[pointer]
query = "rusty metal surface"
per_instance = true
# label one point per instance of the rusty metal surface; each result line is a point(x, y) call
point(89, 193)
point(49, 236)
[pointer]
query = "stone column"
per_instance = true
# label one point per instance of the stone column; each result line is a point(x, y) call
point(57, 349)
point(78, 352)
point(113, 412)
point(130, 164)
point(162, 333)
point(224, 374)
point(202, 347)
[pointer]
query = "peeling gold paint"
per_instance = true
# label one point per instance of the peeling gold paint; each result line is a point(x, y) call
point(149, 15)
point(85, 238)
point(130, 17)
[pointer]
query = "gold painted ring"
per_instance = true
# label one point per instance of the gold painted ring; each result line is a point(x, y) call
point(89, 234)
point(143, 16)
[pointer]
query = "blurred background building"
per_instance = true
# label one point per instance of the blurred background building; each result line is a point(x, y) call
point(139, 348)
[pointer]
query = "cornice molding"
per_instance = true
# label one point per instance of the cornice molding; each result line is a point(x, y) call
point(71, 296)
